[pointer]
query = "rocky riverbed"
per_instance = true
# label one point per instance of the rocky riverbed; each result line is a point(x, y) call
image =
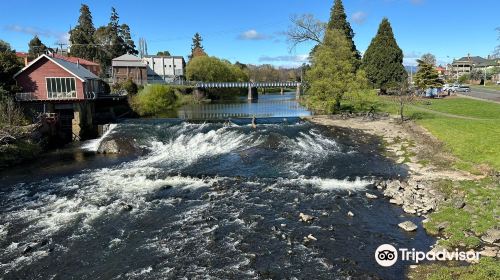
point(427, 163)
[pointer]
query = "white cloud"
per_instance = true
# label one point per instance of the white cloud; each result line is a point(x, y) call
point(61, 37)
point(359, 17)
point(252, 34)
point(284, 58)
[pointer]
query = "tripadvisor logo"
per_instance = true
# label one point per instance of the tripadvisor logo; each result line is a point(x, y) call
point(387, 255)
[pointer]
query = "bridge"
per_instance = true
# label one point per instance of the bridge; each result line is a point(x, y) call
point(252, 87)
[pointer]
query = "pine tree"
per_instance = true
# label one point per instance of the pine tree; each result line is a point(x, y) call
point(9, 65)
point(117, 47)
point(383, 60)
point(333, 73)
point(338, 21)
point(36, 48)
point(197, 49)
point(427, 76)
point(82, 36)
point(128, 43)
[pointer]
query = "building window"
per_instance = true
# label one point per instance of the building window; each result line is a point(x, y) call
point(61, 88)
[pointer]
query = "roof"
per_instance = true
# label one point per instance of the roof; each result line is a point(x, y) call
point(73, 59)
point(127, 60)
point(73, 68)
point(489, 62)
point(473, 59)
point(21, 54)
point(162, 56)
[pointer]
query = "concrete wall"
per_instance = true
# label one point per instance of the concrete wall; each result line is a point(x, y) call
point(164, 66)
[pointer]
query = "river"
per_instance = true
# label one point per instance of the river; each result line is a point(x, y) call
point(205, 200)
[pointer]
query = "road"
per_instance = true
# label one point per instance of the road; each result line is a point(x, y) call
point(483, 93)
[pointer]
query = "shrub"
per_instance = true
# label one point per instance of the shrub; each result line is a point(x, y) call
point(154, 99)
point(130, 86)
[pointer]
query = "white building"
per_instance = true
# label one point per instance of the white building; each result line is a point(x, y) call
point(165, 68)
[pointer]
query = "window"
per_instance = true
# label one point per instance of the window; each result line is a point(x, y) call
point(61, 88)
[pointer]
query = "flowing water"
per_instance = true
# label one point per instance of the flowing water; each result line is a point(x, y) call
point(206, 200)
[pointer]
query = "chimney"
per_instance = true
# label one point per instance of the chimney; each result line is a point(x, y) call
point(77, 63)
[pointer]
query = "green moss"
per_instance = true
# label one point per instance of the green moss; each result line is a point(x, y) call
point(487, 268)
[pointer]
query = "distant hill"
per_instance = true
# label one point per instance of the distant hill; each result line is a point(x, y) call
point(410, 69)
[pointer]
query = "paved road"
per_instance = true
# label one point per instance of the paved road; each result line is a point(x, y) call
point(488, 94)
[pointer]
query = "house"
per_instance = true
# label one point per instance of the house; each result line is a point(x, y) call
point(61, 88)
point(466, 64)
point(23, 57)
point(127, 67)
point(169, 69)
point(441, 70)
point(87, 64)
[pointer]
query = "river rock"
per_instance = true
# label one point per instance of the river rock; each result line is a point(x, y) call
point(117, 146)
point(408, 226)
point(305, 218)
point(489, 252)
point(311, 237)
point(491, 236)
point(371, 196)
point(350, 214)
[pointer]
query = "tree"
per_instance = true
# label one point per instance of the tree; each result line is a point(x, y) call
point(305, 28)
point(9, 65)
point(333, 73)
point(197, 49)
point(427, 76)
point(405, 95)
point(36, 48)
point(128, 43)
point(82, 36)
point(163, 53)
point(429, 58)
point(496, 52)
point(338, 21)
point(383, 60)
point(212, 69)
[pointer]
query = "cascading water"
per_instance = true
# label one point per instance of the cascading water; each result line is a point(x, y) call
point(93, 145)
point(207, 201)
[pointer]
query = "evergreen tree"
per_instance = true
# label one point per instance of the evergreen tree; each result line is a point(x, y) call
point(338, 21)
point(197, 49)
point(333, 73)
point(116, 47)
point(128, 43)
point(9, 65)
point(383, 60)
point(427, 76)
point(82, 36)
point(36, 48)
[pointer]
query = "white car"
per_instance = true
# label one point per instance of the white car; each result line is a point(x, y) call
point(450, 88)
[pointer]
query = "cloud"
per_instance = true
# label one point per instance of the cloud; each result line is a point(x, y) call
point(284, 58)
point(61, 37)
point(359, 17)
point(417, 2)
point(252, 34)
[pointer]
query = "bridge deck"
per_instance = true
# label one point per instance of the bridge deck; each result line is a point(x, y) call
point(247, 85)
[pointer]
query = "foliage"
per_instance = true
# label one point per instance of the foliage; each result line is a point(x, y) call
point(333, 73)
point(154, 99)
point(9, 65)
point(18, 152)
point(404, 96)
point(197, 49)
point(212, 69)
point(338, 21)
point(361, 100)
point(163, 53)
point(36, 48)
point(130, 86)
point(383, 60)
point(10, 113)
point(82, 36)
point(429, 59)
point(487, 268)
point(427, 76)
point(464, 78)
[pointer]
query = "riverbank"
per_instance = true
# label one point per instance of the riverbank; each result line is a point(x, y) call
point(460, 208)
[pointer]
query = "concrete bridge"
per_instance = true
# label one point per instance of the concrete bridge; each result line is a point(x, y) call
point(252, 87)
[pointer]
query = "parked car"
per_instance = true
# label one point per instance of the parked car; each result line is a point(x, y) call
point(463, 89)
point(498, 82)
point(450, 88)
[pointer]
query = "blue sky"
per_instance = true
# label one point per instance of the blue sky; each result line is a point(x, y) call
point(251, 31)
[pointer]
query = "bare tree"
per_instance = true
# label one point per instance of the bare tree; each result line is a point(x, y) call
point(305, 28)
point(10, 113)
point(404, 96)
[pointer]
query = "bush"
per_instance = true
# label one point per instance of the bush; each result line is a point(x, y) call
point(154, 99)
point(130, 87)
point(10, 113)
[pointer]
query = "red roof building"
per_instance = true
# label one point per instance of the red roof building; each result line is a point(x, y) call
point(87, 64)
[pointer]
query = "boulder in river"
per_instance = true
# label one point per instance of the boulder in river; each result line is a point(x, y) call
point(371, 196)
point(408, 226)
point(117, 146)
point(305, 218)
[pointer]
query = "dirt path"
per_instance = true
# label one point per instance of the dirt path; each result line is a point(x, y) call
point(409, 144)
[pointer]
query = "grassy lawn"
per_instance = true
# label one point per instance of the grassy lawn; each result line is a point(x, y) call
point(488, 86)
point(487, 268)
point(474, 141)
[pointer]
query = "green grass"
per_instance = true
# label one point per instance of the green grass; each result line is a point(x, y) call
point(488, 86)
point(473, 141)
point(487, 268)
